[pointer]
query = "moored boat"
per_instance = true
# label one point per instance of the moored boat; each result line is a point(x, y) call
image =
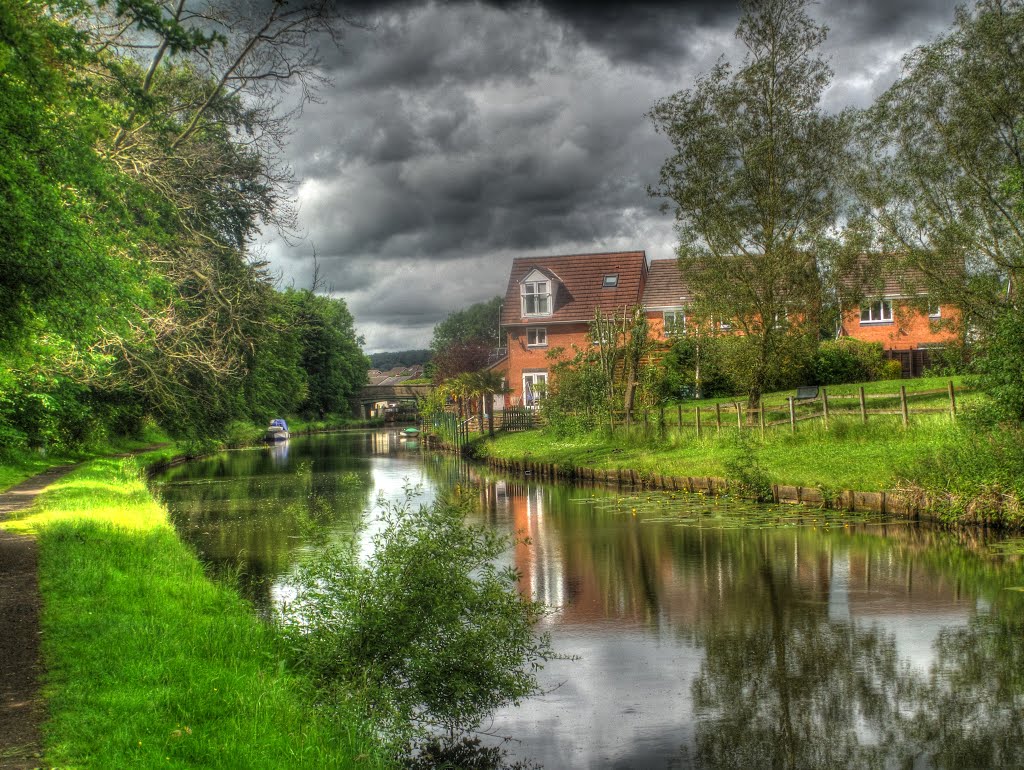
point(277, 431)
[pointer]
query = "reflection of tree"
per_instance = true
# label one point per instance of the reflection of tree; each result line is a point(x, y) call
point(971, 711)
point(249, 514)
point(783, 686)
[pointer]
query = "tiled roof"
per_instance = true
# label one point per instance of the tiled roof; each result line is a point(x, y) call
point(578, 289)
point(889, 277)
point(665, 285)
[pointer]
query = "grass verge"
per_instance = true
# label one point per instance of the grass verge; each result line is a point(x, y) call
point(848, 455)
point(149, 663)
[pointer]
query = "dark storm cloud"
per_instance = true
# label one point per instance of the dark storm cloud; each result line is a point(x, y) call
point(459, 135)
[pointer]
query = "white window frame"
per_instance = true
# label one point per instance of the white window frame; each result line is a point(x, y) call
point(884, 314)
point(539, 335)
point(610, 281)
point(535, 379)
point(934, 311)
point(540, 293)
point(675, 327)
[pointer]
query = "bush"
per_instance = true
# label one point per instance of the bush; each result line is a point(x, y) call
point(428, 628)
point(848, 360)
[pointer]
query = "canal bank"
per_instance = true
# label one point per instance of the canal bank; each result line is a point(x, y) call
point(149, 662)
point(857, 468)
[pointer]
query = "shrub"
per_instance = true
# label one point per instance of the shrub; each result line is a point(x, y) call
point(1000, 366)
point(429, 628)
point(849, 360)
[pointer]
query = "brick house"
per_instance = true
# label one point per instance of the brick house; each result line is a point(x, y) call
point(549, 304)
point(551, 301)
point(665, 300)
point(895, 312)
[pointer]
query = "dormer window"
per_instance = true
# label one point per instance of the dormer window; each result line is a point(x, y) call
point(535, 291)
point(611, 281)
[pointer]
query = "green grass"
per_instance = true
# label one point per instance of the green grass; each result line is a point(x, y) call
point(148, 662)
point(843, 401)
point(849, 455)
point(18, 465)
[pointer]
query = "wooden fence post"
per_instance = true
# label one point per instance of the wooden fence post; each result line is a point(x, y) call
point(661, 424)
point(739, 417)
point(760, 415)
point(824, 404)
point(679, 410)
point(903, 405)
point(952, 402)
point(863, 406)
point(718, 416)
point(696, 411)
point(792, 416)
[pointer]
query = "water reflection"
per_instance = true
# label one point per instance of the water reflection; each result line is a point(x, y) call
point(702, 645)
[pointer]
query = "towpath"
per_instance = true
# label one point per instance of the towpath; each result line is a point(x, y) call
point(21, 706)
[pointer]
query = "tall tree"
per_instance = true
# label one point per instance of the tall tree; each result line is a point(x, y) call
point(942, 148)
point(752, 177)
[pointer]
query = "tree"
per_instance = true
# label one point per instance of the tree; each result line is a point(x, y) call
point(941, 150)
point(331, 351)
point(459, 358)
point(752, 178)
point(476, 323)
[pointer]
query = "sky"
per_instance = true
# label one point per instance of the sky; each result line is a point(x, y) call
point(457, 135)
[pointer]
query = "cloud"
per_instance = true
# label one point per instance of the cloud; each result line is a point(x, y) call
point(459, 135)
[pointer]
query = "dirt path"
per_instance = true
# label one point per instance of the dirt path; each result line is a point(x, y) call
point(21, 708)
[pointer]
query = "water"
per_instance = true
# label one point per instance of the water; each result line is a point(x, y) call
point(709, 634)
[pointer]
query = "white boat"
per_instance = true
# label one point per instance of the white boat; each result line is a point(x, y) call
point(276, 431)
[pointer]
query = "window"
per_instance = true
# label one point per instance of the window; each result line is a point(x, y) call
point(934, 311)
point(535, 384)
point(611, 281)
point(536, 336)
point(675, 322)
point(537, 298)
point(879, 311)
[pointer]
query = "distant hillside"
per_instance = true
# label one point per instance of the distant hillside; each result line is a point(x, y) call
point(385, 361)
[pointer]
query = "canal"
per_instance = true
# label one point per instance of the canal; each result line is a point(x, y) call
point(708, 633)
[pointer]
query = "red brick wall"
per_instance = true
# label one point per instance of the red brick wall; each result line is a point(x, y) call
point(910, 327)
point(521, 357)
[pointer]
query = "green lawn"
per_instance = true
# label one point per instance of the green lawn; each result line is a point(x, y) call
point(844, 454)
point(148, 662)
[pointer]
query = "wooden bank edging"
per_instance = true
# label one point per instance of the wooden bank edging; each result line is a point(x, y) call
point(888, 503)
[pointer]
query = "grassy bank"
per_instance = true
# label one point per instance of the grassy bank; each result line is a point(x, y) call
point(16, 465)
point(970, 471)
point(151, 664)
point(848, 455)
